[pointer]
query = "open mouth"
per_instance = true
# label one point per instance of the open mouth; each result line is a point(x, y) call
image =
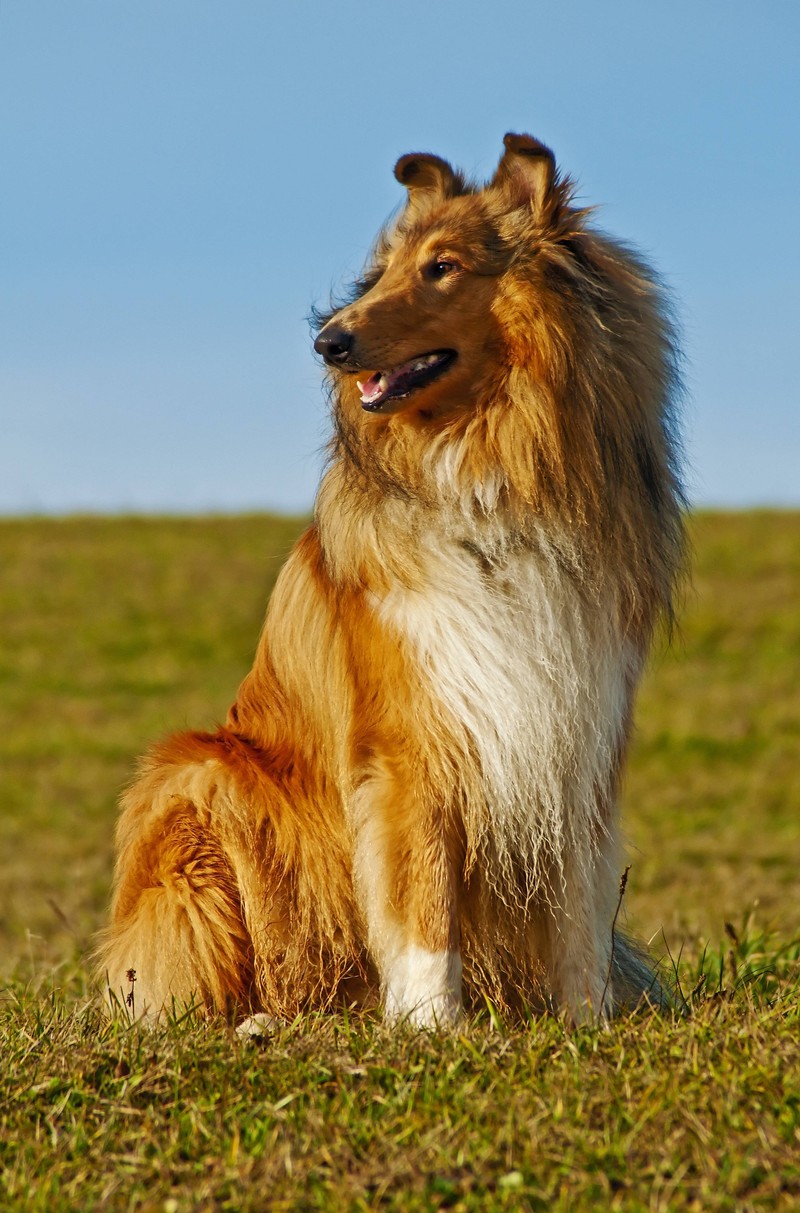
point(384, 386)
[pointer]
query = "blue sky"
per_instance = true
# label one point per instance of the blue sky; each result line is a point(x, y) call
point(182, 179)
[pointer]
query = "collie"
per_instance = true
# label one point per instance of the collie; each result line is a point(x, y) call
point(413, 801)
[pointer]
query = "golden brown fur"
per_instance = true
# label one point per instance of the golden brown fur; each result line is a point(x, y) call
point(414, 795)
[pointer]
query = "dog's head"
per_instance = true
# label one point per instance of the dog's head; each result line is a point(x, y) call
point(432, 317)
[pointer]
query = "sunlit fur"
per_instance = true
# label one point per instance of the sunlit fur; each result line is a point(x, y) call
point(414, 799)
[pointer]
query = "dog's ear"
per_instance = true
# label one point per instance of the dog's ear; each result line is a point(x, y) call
point(428, 179)
point(527, 171)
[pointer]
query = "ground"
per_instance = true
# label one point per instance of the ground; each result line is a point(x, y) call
point(115, 631)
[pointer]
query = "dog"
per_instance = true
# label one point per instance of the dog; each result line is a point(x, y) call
point(413, 801)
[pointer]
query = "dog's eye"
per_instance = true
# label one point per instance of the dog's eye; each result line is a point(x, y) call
point(441, 267)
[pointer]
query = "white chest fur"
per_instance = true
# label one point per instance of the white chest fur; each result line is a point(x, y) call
point(536, 674)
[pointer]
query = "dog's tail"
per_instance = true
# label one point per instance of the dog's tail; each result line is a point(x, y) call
point(636, 981)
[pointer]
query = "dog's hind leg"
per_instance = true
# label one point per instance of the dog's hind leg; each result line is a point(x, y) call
point(177, 934)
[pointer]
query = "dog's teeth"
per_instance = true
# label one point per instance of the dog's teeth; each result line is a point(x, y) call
point(383, 383)
point(360, 386)
point(422, 363)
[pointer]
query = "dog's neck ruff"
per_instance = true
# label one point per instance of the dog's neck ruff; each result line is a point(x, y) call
point(536, 681)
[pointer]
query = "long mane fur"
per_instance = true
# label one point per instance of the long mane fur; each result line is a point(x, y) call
point(580, 426)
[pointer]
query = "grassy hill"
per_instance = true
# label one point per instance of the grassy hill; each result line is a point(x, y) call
point(117, 630)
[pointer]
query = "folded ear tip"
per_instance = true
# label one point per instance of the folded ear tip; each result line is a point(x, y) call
point(423, 171)
point(525, 145)
point(406, 168)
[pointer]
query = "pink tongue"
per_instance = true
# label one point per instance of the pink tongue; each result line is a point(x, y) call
point(370, 388)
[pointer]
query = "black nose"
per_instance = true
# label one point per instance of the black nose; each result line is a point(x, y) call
point(334, 344)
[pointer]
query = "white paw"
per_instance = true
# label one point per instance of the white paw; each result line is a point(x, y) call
point(256, 1027)
point(424, 988)
point(583, 1003)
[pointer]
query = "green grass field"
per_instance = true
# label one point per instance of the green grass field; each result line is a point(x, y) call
point(117, 630)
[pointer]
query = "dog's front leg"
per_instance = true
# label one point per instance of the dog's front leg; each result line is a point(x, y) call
point(404, 865)
point(579, 960)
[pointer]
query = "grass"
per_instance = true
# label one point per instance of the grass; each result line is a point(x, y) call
point(117, 630)
point(713, 795)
